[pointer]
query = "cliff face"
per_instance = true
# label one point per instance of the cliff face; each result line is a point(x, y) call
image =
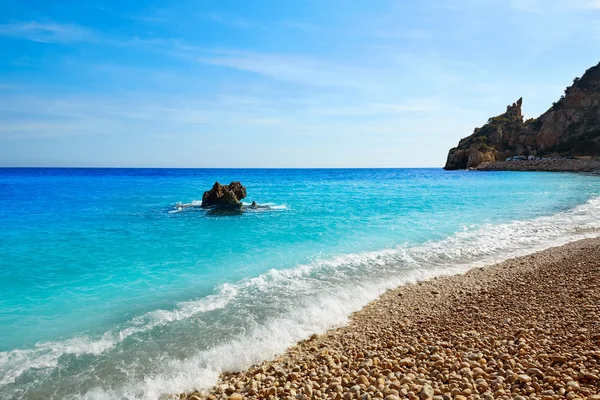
point(570, 127)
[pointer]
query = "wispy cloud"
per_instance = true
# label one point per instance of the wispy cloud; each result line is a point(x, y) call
point(298, 69)
point(234, 22)
point(301, 26)
point(531, 6)
point(416, 34)
point(42, 115)
point(592, 4)
point(246, 23)
point(539, 6)
point(25, 129)
point(418, 105)
point(366, 109)
point(148, 18)
point(48, 32)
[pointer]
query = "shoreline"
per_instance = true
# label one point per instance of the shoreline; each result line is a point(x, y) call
point(562, 165)
point(528, 327)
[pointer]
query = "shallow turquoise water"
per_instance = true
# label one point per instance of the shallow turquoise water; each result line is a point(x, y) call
point(110, 289)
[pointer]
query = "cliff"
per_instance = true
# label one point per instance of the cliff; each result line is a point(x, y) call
point(571, 127)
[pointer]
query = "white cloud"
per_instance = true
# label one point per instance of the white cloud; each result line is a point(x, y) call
point(48, 32)
point(21, 129)
point(37, 115)
point(415, 34)
point(592, 4)
point(233, 22)
point(532, 6)
point(301, 26)
point(301, 69)
point(411, 105)
point(367, 109)
point(539, 6)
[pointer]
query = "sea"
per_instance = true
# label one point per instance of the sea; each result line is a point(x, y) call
point(115, 284)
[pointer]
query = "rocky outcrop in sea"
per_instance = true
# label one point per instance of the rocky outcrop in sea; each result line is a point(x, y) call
point(224, 196)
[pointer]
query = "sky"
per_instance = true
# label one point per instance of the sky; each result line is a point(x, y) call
point(271, 83)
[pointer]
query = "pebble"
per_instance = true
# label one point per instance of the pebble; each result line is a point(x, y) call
point(426, 392)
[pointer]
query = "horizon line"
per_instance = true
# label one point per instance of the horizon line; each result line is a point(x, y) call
point(113, 167)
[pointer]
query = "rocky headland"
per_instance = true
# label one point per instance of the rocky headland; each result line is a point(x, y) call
point(571, 127)
point(527, 328)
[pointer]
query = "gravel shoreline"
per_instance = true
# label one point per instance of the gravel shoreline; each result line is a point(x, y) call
point(562, 165)
point(528, 327)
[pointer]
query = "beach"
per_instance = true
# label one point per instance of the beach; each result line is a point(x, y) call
point(528, 327)
point(545, 165)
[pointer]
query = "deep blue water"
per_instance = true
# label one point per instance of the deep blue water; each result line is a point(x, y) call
point(110, 289)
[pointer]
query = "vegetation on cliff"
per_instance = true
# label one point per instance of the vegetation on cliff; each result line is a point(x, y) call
point(570, 127)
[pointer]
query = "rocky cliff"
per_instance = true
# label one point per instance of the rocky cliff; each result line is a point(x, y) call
point(571, 127)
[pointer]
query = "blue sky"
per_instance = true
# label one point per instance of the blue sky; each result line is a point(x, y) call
point(266, 83)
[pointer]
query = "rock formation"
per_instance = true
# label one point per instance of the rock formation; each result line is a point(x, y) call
point(571, 127)
point(224, 197)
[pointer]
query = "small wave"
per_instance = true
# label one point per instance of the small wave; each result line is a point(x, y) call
point(195, 206)
point(46, 355)
point(179, 207)
point(265, 207)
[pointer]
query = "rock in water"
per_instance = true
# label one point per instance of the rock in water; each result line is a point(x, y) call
point(238, 189)
point(224, 197)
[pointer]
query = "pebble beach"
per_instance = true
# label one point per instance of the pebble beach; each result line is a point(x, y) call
point(546, 165)
point(527, 328)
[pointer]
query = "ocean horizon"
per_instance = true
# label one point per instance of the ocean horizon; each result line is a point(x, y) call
point(114, 283)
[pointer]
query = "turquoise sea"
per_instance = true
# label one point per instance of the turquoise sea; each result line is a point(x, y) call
point(111, 289)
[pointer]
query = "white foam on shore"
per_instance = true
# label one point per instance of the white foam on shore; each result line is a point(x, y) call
point(46, 354)
point(312, 298)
